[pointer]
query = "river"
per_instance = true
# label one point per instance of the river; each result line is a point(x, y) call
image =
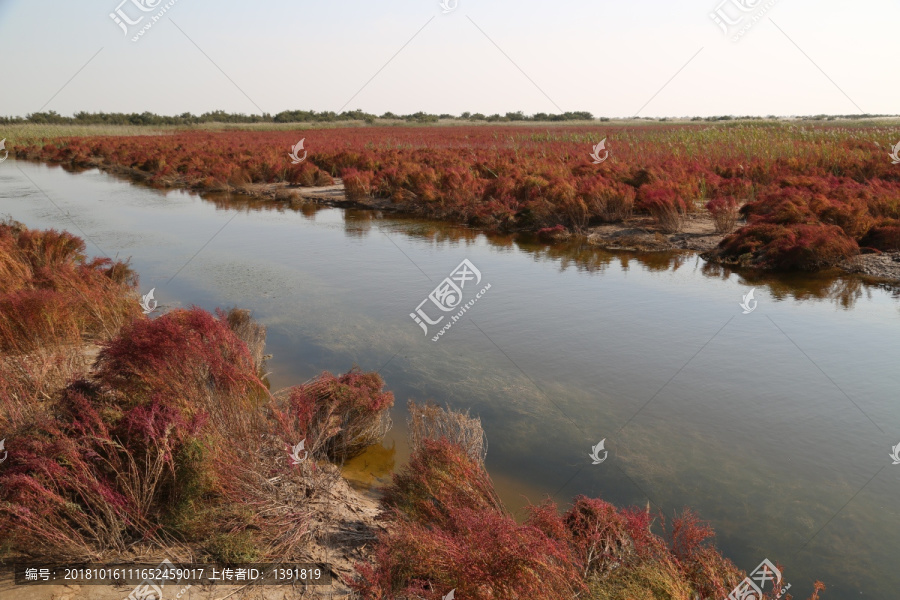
point(776, 426)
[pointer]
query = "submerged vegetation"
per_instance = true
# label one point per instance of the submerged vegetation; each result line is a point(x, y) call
point(786, 196)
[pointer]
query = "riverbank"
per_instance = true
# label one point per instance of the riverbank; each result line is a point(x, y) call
point(637, 234)
point(818, 196)
point(344, 528)
point(136, 439)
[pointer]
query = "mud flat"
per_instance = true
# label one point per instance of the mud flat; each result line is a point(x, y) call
point(881, 266)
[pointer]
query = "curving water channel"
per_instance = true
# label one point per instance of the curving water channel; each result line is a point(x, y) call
point(776, 426)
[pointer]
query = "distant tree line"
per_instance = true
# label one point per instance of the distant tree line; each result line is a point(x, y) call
point(311, 116)
point(288, 116)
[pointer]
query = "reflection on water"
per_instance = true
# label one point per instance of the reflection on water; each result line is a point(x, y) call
point(844, 290)
point(762, 422)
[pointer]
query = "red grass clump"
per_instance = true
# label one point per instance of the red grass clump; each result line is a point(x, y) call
point(96, 477)
point(803, 246)
point(884, 236)
point(598, 533)
point(724, 212)
point(188, 357)
point(339, 416)
point(664, 205)
point(448, 531)
point(357, 184)
point(53, 295)
point(552, 234)
point(121, 456)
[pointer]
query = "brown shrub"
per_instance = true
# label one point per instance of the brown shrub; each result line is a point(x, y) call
point(665, 206)
point(724, 212)
point(250, 332)
point(883, 236)
point(429, 421)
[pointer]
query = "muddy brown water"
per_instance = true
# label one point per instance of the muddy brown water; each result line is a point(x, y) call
point(776, 426)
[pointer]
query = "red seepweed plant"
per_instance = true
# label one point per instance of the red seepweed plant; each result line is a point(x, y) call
point(725, 212)
point(173, 438)
point(338, 416)
point(52, 295)
point(447, 529)
point(664, 205)
point(55, 304)
point(357, 184)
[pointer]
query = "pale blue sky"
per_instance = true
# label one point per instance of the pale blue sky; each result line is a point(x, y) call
point(606, 57)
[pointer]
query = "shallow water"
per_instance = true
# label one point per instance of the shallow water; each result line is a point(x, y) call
point(776, 426)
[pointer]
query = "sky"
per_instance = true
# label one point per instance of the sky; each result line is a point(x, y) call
point(613, 58)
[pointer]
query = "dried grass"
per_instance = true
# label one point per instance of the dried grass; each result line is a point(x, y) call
point(429, 421)
point(250, 332)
